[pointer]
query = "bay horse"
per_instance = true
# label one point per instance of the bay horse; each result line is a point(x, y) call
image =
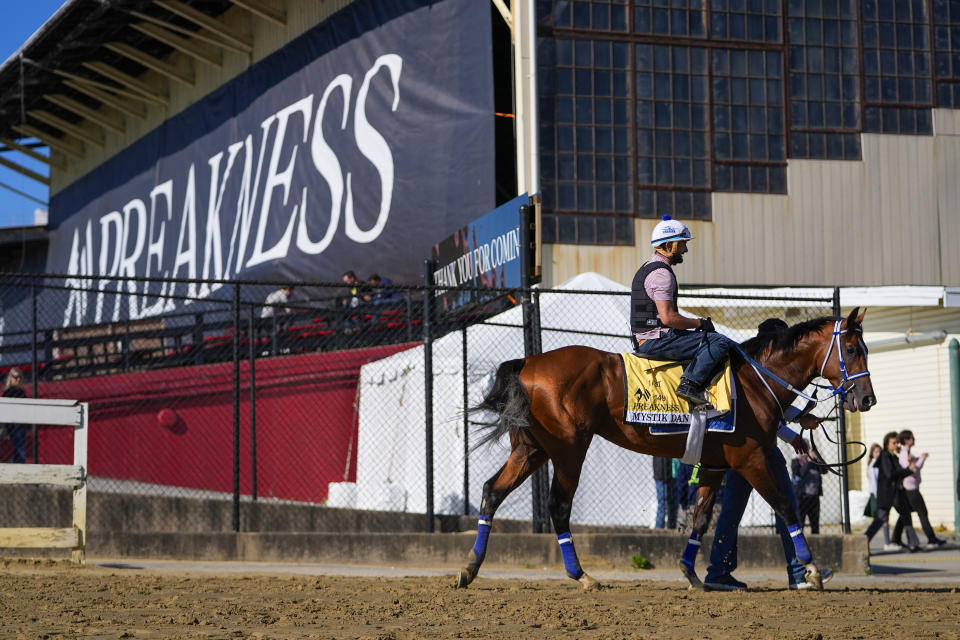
point(553, 404)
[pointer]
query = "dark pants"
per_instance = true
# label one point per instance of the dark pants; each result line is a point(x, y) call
point(808, 507)
point(684, 345)
point(883, 514)
point(18, 438)
point(666, 504)
point(914, 502)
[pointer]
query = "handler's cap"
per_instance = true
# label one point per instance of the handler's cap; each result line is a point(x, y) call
point(668, 230)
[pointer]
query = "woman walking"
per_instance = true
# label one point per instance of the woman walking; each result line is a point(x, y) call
point(911, 491)
point(889, 474)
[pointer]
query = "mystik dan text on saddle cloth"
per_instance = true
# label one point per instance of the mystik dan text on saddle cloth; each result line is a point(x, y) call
point(651, 399)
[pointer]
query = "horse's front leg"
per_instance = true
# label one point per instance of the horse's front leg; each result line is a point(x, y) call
point(758, 474)
point(702, 514)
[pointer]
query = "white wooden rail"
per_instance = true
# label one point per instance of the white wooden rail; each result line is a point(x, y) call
point(44, 412)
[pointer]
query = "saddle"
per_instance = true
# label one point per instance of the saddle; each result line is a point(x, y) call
point(651, 399)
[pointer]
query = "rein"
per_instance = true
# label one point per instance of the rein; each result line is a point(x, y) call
point(833, 466)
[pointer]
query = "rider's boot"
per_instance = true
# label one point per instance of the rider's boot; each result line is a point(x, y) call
point(693, 393)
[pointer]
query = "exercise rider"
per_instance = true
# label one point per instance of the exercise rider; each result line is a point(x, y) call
point(660, 331)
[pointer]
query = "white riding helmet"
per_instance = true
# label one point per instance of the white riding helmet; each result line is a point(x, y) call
point(668, 230)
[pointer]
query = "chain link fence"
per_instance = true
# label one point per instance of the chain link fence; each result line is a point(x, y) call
point(312, 399)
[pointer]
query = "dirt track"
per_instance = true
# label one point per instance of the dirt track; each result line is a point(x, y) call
point(47, 599)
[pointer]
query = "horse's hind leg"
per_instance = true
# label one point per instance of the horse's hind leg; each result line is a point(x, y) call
point(526, 456)
point(566, 477)
point(703, 512)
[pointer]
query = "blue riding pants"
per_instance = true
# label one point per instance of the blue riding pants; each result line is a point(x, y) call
point(736, 493)
point(683, 345)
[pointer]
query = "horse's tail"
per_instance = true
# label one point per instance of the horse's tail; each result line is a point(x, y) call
point(508, 399)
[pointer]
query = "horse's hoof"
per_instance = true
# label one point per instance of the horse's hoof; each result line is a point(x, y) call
point(691, 576)
point(588, 583)
point(464, 578)
point(814, 577)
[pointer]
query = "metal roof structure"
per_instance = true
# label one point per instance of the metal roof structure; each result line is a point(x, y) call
point(82, 73)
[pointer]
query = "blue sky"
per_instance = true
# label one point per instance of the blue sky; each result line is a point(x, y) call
point(21, 18)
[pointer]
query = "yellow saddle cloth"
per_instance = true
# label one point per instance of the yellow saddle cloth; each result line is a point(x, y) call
point(651, 392)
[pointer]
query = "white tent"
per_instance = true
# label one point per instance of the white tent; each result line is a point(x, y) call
point(616, 486)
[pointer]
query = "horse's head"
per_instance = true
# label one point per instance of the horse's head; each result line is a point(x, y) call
point(845, 363)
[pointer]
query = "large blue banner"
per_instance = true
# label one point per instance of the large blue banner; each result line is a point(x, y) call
point(355, 147)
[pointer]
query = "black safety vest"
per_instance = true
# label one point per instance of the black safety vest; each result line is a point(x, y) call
point(643, 310)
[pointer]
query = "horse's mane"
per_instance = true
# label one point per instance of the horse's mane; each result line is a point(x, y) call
point(785, 339)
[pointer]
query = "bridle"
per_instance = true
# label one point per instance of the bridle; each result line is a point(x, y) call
point(842, 389)
point(847, 382)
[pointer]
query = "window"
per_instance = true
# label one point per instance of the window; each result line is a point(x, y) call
point(749, 141)
point(672, 128)
point(946, 45)
point(686, 18)
point(824, 79)
point(896, 66)
point(585, 142)
point(754, 20)
point(649, 106)
point(598, 15)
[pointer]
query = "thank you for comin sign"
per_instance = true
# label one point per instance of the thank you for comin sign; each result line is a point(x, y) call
point(484, 253)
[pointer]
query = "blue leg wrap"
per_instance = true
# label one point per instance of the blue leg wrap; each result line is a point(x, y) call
point(689, 556)
point(570, 562)
point(483, 532)
point(800, 544)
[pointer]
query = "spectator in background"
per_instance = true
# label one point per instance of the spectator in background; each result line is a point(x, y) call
point(871, 509)
point(379, 291)
point(666, 493)
point(809, 488)
point(17, 433)
point(911, 491)
point(278, 298)
point(352, 294)
point(681, 484)
point(889, 475)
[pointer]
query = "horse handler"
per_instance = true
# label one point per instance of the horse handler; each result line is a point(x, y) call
point(661, 333)
point(736, 494)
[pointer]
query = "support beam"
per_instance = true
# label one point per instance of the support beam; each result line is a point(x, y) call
point(33, 175)
point(132, 95)
point(114, 123)
point(63, 145)
point(182, 45)
point(504, 12)
point(263, 10)
point(27, 151)
point(129, 108)
point(241, 42)
point(138, 86)
point(67, 127)
point(213, 31)
point(160, 66)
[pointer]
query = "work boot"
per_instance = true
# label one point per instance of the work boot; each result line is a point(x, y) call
point(694, 394)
